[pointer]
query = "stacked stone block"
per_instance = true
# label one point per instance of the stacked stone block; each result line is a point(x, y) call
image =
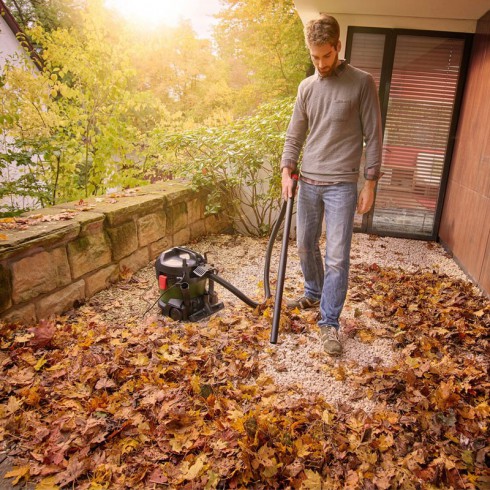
point(52, 266)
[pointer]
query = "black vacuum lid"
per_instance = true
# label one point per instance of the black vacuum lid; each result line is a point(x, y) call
point(175, 260)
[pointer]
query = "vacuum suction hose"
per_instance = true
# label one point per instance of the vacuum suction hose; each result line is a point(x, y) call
point(234, 290)
point(267, 266)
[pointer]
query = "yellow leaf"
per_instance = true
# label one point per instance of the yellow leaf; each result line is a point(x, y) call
point(40, 364)
point(213, 480)
point(3, 236)
point(267, 313)
point(177, 444)
point(47, 484)
point(236, 417)
point(339, 373)
point(301, 449)
point(13, 405)
point(366, 336)
point(141, 360)
point(196, 468)
point(448, 463)
point(467, 457)
point(413, 362)
point(128, 445)
point(313, 481)
point(29, 358)
point(483, 409)
point(56, 367)
point(20, 339)
point(271, 470)
point(168, 356)
point(18, 472)
point(473, 478)
point(327, 417)
point(385, 442)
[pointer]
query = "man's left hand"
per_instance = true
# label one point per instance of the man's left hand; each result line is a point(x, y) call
point(366, 197)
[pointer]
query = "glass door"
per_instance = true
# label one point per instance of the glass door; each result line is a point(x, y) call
point(419, 77)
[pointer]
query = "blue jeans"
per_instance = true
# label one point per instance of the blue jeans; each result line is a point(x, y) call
point(337, 204)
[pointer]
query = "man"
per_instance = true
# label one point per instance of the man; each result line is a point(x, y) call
point(336, 112)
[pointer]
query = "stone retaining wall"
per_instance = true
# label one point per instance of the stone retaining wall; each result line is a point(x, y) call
point(69, 252)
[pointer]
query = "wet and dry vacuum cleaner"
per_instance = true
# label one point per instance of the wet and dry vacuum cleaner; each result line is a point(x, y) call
point(187, 282)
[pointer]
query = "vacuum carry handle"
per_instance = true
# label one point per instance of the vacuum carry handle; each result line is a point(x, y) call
point(282, 264)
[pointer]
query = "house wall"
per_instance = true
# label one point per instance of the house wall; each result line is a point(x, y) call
point(465, 224)
point(11, 50)
point(9, 45)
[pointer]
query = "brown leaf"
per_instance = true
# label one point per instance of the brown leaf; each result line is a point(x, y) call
point(73, 471)
point(294, 469)
point(351, 480)
point(43, 334)
point(351, 326)
point(158, 476)
point(104, 384)
point(383, 481)
point(250, 425)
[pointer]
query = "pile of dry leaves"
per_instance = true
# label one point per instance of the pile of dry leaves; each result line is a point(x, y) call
point(141, 403)
point(25, 222)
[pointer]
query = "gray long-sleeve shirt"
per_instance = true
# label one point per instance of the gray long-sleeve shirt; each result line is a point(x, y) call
point(334, 115)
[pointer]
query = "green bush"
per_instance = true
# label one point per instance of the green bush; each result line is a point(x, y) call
point(238, 163)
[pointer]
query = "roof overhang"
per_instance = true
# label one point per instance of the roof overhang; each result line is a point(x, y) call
point(440, 15)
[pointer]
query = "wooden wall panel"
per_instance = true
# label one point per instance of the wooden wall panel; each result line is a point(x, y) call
point(485, 164)
point(465, 229)
point(465, 223)
point(485, 270)
point(471, 124)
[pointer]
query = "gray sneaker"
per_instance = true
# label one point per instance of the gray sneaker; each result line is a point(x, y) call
point(330, 340)
point(303, 303)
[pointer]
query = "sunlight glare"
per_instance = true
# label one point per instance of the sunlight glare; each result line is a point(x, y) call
point(156, 12)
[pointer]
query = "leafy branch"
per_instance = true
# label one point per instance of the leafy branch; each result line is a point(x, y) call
point(239, 163)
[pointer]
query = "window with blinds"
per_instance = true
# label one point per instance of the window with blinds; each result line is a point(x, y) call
point(418, 78)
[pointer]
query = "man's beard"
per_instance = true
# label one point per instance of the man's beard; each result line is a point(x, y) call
point(332, 68)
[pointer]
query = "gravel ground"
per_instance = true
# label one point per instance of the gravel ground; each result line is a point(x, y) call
point(297, 362)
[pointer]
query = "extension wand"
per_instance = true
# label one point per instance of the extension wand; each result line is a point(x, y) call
point(282, 264)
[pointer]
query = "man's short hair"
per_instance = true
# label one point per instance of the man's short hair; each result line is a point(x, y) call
point(323, 30)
